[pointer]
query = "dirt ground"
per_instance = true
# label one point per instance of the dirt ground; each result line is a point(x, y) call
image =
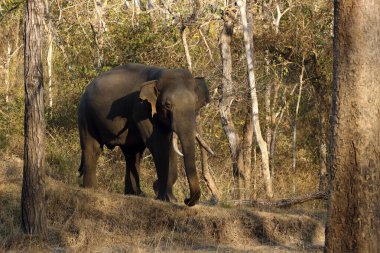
point(83, 220)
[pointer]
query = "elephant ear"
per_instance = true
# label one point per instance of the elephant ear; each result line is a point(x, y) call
point(202, 92)
point(149, 92)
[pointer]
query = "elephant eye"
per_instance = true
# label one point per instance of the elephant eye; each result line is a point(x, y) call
point(168, 105)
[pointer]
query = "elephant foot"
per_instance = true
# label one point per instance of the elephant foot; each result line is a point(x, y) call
point(193, 199)
point(136, 193)
point(168, 197)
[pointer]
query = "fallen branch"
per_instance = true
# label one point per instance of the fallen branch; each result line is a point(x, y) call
point(283, 202)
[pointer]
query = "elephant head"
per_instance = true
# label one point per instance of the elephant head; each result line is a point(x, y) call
point(175, 100)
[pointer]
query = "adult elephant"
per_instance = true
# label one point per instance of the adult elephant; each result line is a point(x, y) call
point(136, 107)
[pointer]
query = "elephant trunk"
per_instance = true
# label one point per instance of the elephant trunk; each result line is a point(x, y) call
point(187, 139)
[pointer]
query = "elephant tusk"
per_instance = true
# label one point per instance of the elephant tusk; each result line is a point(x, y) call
point(175, 146)
point(204, 144)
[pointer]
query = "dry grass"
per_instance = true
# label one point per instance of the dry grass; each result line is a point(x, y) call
point(89, 221)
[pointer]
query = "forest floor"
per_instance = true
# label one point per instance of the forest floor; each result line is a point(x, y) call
point(81, 220)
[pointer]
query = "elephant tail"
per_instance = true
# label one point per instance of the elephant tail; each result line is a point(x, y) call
point(81, 166)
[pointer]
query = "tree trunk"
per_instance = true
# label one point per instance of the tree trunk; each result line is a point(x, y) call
point(247, 153)
point(248, 136)
point(322, 149)
point(255, 107)
point(99, 28)
point(50, 69)
point(354, 206)
point(225, 102)
point(268, 117)
point(49, 56)
point(10, 54)
point(210, 182)
point(7, 72)
point(294, 148)
point(186, 47)
point(150, 4)
point(33, 187)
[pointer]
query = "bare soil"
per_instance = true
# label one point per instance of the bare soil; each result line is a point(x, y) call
point(82, 220)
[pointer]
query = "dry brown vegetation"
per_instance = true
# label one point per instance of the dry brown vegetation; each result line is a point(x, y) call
point(91, 221)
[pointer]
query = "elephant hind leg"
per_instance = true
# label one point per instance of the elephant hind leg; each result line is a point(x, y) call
point(91, 150)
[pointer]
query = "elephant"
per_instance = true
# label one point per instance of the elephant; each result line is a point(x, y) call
point(135, 107)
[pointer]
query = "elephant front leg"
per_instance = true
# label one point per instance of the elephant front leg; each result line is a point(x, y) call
point(172, 176)
point(132, 178)
point(165, 163)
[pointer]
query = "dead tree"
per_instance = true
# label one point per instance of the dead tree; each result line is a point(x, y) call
point(226, 99)
point(33, 204)
point(353, 216)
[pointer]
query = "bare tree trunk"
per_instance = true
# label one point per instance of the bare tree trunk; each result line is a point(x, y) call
point(137, 6)
point(322, 152)
point(186, 47)
point(33, 186)
point(7, 72)
point(50, 69)
point(247, 153)
point(294, 147)
point(49, 57)
point(99, 28)
point(255, 107)
point(268, 117)
point(248, 136)
point(275, 121)
point(279, 14)
point(10, 54)
point(210, 182)
point(353, 219)
point(150, 4)
point(225, 101)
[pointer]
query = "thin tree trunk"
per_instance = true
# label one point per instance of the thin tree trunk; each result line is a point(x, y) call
point(268, 117)
point(225, 101)
point(33, 186)
point(353, 219)
point(248, 136)
point(99, 28)
point(322, 152)
point(274, 123)
point(150, 4)
point(279, 14)
point(7, 72)
point(137, 5)
point(10, 54)
point(255, 107)
point(186, 47)
point(294, 146)
point(210, 182)
point(49, 56)
point(50, 69)
point(247, 153)
point(321, 101)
